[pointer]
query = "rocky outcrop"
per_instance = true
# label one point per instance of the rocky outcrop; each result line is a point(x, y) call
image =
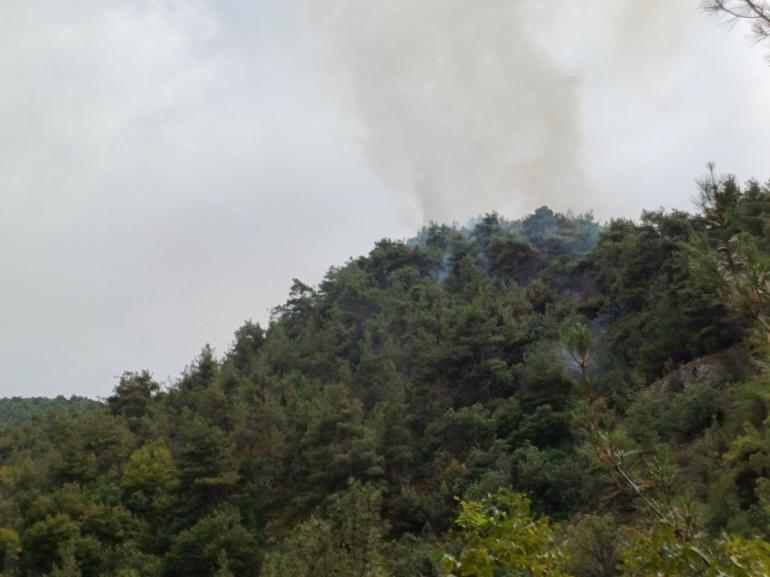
point(708, 369)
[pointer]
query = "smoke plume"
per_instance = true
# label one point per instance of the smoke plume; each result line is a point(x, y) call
point(472, 106)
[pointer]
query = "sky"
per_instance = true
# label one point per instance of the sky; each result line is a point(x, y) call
point(168, 166)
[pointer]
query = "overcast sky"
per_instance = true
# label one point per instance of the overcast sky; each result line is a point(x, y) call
point(167, 166)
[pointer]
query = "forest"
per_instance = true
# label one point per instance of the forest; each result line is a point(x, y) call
point(15, 410)
point(548, 396)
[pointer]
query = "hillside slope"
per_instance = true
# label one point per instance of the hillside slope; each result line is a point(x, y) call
point(515, 354)
point(14, 410)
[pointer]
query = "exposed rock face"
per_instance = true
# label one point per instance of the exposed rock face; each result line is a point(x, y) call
point(709, 369)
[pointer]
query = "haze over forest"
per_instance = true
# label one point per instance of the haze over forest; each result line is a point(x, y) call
point(416, 288)
point(169, 167)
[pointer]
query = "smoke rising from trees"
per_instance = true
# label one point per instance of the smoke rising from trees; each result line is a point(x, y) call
point(472, 105)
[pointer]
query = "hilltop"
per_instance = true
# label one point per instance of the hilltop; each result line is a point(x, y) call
point(523, 354)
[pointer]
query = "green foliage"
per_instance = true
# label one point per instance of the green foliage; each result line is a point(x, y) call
point(615, 375)
point(217, 542)
point(499, 536)
point(592, 547)
point(244, 352)
point(10, 547)
point(16, 410)
point(43, 541)
point(132, 397)
point(68, 565)
point(150, 482)
point(576, 339)
point(346, 542)
point(663, 552)
point(206, 470)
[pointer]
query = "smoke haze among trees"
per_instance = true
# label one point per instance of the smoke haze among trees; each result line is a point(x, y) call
point(558, 394)
point(151, 151)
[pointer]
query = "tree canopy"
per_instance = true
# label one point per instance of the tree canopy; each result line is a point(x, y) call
point(544, 396)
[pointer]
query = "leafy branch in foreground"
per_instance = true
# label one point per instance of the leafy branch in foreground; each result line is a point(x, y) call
point(735, 265)
point(498, 535)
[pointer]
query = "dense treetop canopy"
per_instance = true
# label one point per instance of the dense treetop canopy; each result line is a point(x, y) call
point(545, 396)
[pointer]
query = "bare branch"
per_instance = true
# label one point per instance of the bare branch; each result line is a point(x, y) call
point(757, 12)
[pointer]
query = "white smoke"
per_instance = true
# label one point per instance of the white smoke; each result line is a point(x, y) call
point(472, 106)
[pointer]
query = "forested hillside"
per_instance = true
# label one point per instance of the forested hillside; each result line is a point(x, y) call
point(544, 396)
point(16, 409)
